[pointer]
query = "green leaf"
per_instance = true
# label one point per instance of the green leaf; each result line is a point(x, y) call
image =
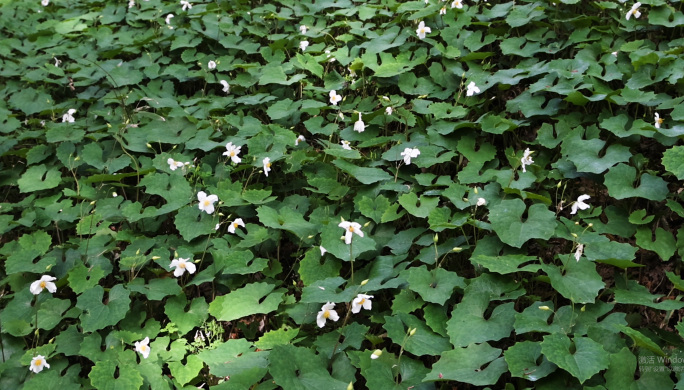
point(286, 219)
point(506, 264)
point(673, 161)
point(577, 281)
point(238, 360)
point(664, 243)
point(418, 207)
point(423, 342)
point(506, 220)
point(582, 357)
point(39, 177)
point(620, 183)
point(116, 374)
point(300, 368)
point(282, 336)
point(255, 298)
point(97, 315)
point(631, 292)
point(185, 321)
point(374, 208)
point(465, 365)
point(585, 153)
point(522, 358)
point(192, 222)
point(433, 286)
point(388, 372)
point(468, 324)
point(184, 373)
point(363, 175)
point(311, 269)
point(640, 340)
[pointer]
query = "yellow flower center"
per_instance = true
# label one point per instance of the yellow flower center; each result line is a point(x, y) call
point(232, 154)
point(351, 229)
point(660, 120)
point(181, 265)
point(235, 225)
point(268, 165)
point(326, 314)
point(206, 203)
point(361, 302)
point(143, 348)
point(42, 284)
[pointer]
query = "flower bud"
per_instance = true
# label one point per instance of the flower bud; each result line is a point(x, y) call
point(156, 257)
point(457, 249)
point(364, 282)
point(546, 308)
point(573, 234)
point(367, 224)
point(412, 331)
point(350, 386)
point(376, 354)
point(435, 238)
point(475, 190)
point(590, 225)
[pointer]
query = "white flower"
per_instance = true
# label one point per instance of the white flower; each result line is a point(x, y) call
point(614, 53)
point(69, 116)
point(410, 153)
point(350, 228)
point(302, 29)
point(186, 5)
point(114, 194)
point(376, 354)
point(340, 115)
point(422, 30)
point(226, 86)
point(579, 204)
point(218, 225)
point(345, 145)
point(181, 265)
point(303, 45)
point(233, 225)
point(299, 139)
point(634, 11)
point(38, 363)
point(143, 347)
point(232, 151)
point(388, 110)
point(481, 202)
point(206, 203)
point(57, 61)
point(45, 4)
point(267, 165)
point(579, 251)
point(131, 4)
point(359, 125)
point(526, 159)
point(45, 281)
point(658, 120)
point(173, 164)
point(323, 250)
point(211, 65)
point(326, 313)
point(457, 4)
point(361, 300)
point(352, 74)
point(472, 89)
point(168, 18)
point(442, 11)
point(335, 98)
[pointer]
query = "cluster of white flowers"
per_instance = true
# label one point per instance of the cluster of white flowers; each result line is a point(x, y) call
point(472, 89)
point(579, 204)
point(233, 152)
point(423, 30)
point(409, 153)
point(359, 125)
point(335, 98)
point(328, 313)
point(69, 116)
point(526, 159)
point(181, 265)
point(634, 11)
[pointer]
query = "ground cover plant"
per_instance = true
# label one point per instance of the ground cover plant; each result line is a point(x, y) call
point(339, 194)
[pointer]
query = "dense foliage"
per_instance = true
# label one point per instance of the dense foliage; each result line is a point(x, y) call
point(331, 194)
